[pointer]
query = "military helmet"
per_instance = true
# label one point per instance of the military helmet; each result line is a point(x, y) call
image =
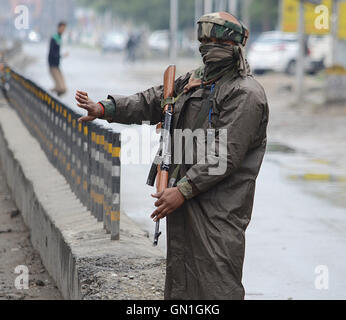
point(222, 26)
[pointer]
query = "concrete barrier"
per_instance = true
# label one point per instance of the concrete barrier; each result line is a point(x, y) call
point(80, 152)
point(73, 246)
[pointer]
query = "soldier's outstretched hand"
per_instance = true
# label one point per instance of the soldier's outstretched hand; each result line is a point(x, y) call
point(94, 109)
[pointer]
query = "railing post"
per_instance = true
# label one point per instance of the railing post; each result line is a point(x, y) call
point(115, 210)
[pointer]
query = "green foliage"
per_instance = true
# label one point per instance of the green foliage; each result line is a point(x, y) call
point(263, 14)
point(153, 12)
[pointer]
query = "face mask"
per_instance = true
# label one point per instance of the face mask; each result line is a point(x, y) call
point(216, 52)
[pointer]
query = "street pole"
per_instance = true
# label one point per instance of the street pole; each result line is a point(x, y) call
point(198, 10)
point(245, 12)
point(208, 6)
point(198, 14)
point(300, 59)
point(221, 5)
point(173, 30)
point(334, 31)
point(280, 14)
point(233, 7)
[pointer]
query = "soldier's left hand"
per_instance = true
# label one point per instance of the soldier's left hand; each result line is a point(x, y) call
point(168, 200)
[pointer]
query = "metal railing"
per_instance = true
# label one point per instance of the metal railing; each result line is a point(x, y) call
point(87, 155)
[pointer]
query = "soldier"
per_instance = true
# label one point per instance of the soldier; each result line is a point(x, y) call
point(207, 215)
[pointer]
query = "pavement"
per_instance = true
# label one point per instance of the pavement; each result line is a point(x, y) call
point(296, 242)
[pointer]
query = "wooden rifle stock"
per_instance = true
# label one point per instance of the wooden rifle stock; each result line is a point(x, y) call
point(163, 168)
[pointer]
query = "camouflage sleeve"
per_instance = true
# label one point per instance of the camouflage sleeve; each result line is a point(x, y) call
point(109, 109)
point(187, 188)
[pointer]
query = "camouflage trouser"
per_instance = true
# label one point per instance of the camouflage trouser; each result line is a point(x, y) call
point(60, 87)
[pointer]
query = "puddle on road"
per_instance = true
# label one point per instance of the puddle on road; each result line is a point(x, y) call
point(275, 147)
point(318, 177)
point(332, 192)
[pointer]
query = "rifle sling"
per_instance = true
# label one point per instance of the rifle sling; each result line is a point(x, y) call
point(200, 120)
point(170, 100)
point(202, 115)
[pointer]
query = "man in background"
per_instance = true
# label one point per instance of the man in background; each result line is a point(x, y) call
point(54, 60)
point(131, 48)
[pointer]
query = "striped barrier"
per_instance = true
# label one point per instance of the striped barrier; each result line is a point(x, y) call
point(87, 155)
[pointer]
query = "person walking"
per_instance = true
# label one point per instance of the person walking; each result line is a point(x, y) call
point(54, 60)
point(131, 48)
point(207, 212)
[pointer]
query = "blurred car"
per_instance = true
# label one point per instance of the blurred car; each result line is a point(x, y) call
point(277, 51)
point(159, 40)
point(115, 41)
point(321, 50)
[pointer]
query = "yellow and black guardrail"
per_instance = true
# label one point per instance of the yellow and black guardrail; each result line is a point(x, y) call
point(87, 155)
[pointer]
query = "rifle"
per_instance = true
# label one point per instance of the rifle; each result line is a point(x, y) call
point(160, 168)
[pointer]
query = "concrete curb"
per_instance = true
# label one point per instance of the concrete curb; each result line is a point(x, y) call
point(73, 246)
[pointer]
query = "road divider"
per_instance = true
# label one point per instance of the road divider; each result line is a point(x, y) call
point(87, 155)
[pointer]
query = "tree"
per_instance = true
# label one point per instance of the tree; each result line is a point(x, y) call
point(153, 12)
point(263, 15)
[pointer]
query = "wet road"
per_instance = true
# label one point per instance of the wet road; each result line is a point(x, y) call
point(296, 242)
